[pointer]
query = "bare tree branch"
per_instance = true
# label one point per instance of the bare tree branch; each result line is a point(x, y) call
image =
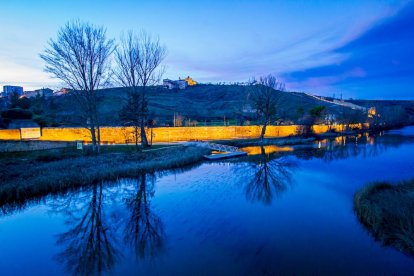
point(265, 98)
point(80, 57)
point(138, 58)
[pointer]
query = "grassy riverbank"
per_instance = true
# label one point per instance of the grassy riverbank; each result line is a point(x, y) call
point(387, 211)
point(37, 174)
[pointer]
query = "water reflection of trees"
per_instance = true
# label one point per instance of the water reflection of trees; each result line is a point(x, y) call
point(144, 230)
point(17, 202)
point(272, 173)
point(344, 147)
point(268, 175)
point(102, 220)
point(90, 243)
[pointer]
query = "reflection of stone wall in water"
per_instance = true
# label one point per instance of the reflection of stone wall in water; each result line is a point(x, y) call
point(122, 135)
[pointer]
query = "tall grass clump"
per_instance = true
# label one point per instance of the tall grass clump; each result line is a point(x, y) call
point(387, 211)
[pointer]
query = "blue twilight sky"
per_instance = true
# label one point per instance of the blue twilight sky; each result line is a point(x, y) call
point(361, 49)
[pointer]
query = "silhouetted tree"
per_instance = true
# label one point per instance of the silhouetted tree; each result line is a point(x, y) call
point(80, 57)
point(308, 120)
point(265, 97)
point(317, 111)
point(139, 58)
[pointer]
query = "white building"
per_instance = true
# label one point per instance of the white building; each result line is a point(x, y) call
point(9, 90)
point(177, 84)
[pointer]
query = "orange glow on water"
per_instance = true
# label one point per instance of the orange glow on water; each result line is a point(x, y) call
point(268, 149)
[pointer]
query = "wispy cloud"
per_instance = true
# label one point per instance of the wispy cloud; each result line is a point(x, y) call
point(380, 57)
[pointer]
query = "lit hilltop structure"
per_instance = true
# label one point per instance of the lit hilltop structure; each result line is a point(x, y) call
point(179, 84)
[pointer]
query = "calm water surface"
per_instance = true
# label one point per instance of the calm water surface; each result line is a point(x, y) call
point(277, 211)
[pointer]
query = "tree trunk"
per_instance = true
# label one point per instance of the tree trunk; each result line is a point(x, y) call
point(93, 137)
point(151, 136)
point(98, 145)
point(263, 131)
point(136, 137)
point(144, 141)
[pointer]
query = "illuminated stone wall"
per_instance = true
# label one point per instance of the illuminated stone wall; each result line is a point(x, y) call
point(122, 135)
point(10, 134)
point(65, 134)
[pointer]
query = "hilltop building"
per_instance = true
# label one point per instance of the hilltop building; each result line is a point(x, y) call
point(190, 81)
point(9, 90)
point(178, 84)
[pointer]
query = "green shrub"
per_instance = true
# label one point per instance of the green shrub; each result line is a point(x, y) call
point(317, 111)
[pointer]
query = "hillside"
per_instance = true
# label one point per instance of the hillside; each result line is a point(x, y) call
point(203, 103)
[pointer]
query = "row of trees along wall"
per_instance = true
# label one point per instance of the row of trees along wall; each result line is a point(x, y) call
point(80, 57)
point(125, 135)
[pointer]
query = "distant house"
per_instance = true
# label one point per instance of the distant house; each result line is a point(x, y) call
point(44, 92)
point(29, 94)
point(179, 84)
point(9, 90)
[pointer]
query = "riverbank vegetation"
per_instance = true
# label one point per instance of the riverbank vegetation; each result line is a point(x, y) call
point(36, 175)
point(387, 211)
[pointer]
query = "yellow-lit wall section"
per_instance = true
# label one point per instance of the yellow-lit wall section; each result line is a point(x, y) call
point(10, 134)
point(122, 135)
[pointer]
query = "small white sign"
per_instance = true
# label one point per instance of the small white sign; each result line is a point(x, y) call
point(79, 145)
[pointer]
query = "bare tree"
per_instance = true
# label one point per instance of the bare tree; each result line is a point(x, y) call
point(265, 98)
point(139, 57)
point(80, 57)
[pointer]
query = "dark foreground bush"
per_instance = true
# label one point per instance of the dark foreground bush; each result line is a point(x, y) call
point(387, 212)
point(20, 182)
